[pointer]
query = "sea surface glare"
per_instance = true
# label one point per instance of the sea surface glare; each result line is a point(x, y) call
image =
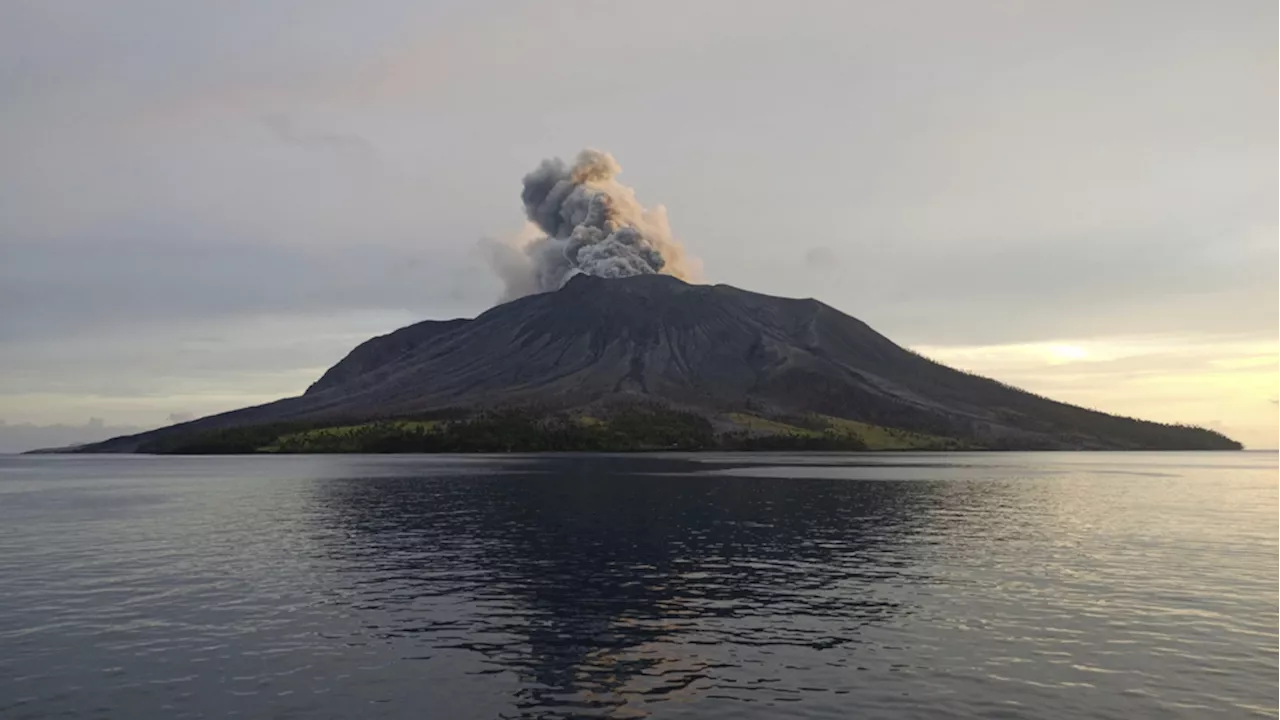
point(1049, 585)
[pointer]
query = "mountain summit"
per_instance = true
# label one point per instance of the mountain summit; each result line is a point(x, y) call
point(745, 361)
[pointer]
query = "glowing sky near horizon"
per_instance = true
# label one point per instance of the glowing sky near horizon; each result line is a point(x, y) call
point(203, 205)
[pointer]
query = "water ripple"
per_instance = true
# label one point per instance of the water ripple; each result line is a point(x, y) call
point(992, 586)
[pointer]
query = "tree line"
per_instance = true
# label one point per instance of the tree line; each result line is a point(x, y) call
point(640, 428)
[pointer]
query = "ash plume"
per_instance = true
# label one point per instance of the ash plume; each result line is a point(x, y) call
point(585, 221)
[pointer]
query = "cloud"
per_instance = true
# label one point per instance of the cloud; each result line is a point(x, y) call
point(1189, 379)
point(126, 284)
point(21, 437)
point(1000, 292)
point(1091, 176)
point(821, 256)
point(286, 130)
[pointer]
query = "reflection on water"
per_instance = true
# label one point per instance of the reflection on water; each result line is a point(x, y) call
point(601, 589)
point(592, 586)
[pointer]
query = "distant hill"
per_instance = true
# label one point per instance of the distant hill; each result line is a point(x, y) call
point(595, 363)
point(60, 437)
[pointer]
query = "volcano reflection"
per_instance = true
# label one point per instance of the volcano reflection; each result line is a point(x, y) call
point(603, 586)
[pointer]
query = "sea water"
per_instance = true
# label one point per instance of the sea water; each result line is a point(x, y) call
point(1037, 585)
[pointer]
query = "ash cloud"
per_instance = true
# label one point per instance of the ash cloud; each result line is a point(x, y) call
point(585, 222)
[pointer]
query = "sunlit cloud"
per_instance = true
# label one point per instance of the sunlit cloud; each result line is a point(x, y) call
point(1222, 382)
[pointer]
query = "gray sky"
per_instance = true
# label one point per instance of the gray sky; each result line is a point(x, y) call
point(204, 204)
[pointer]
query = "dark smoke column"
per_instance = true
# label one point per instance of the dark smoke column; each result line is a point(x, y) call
point(592, 224)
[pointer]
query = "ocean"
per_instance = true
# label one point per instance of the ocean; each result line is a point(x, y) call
point(966, 585)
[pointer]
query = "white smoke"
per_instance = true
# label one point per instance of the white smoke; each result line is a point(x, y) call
point(586, 222)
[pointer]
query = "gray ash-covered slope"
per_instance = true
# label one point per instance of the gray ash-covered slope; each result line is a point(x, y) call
point(709, 349)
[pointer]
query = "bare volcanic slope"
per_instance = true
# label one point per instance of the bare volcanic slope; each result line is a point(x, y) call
point(713, 350)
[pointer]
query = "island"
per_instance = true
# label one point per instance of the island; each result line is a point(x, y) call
point(651, 362)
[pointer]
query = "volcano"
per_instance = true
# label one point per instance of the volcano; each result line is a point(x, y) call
point(744, 361)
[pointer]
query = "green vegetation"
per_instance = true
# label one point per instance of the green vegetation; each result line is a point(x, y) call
point(757, 424)
point(824, 432)
point(878, 437)
point(640, 427)
point(791, 441)
point(636, 427)
point(227, 441)
point(346, 438)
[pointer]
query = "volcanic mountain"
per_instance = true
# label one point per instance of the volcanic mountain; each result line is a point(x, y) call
point(745, 361)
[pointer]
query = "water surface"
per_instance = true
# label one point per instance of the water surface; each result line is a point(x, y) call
point(1011, 585)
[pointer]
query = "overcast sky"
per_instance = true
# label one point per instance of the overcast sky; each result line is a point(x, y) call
point(205, 204)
